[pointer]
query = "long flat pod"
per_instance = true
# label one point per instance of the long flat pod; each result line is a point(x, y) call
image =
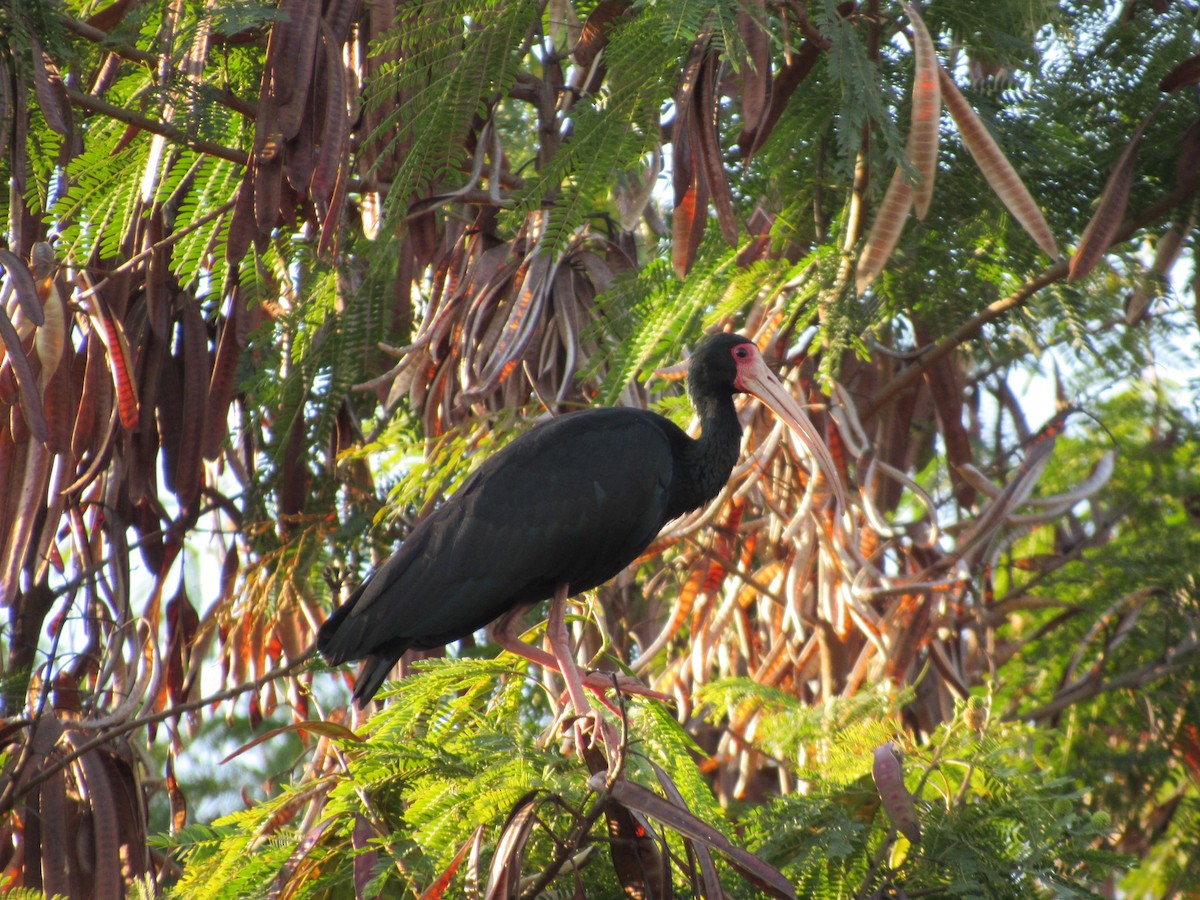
point(995, 166)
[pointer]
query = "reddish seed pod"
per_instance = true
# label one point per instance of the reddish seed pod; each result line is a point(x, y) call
point(897, 801)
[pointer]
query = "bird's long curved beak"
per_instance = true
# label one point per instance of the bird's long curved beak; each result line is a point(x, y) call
point(758, 380)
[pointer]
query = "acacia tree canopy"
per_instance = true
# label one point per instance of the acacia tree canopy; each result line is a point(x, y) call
point(276, 277)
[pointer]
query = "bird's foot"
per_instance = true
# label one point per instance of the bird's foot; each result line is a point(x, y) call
point(592, 732)
point(586, 734)
point(576, 731)
point(598, 682)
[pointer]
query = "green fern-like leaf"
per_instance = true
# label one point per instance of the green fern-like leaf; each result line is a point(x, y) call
point(610, 131)
point(862, 99)
point(452, 60)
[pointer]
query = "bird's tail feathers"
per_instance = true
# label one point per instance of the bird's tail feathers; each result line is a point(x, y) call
point(341, 639)
point(371, 678)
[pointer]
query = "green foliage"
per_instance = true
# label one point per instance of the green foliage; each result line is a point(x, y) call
point(995, 822)
point(655, 317)
point(1081, 628)
point(855, 77)
point(242, 16)
point(464, 742)
point(1014, 811)
point(610, 133)
point(1004, 35)
point(422, 472)
point(1129, 608)
point(200, 183)
point(458, 746)
point(26, 893)
point(448, 62)
point(828, 741)
point(687, 20)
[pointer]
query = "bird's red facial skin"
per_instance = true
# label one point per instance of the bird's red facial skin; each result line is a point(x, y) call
point(743, 359)
point(753, 377)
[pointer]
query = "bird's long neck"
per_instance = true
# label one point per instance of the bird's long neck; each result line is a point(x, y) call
point(708, 460)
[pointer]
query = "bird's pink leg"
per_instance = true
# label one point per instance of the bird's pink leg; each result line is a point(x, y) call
point(560, 643)
point(587, 720)
point(504, 632)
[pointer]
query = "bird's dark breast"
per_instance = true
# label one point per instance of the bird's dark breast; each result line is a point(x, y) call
point(573, 501)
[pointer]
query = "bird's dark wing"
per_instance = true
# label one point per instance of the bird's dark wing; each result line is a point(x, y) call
point(574, 501)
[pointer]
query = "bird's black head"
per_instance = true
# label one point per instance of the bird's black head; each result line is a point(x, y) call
point(714, 365)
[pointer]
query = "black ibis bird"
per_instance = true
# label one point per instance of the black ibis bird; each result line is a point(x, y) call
point(558, 511)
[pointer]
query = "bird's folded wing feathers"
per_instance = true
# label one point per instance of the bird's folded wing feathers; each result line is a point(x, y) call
point(536, 514)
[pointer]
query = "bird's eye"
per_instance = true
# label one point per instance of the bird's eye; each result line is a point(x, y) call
point(741, 352)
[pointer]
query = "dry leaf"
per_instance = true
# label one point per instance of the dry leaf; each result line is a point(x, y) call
point(437, 890)
point(504, 879)
point(194, 365)
point(763, 876)
point(25, 287)
point(27, 383)
point(707, 144)
point(1183, 75)
point(51, 95)
point(755, 74)
point(221, 386)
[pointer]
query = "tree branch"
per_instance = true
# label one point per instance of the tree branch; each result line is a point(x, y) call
point(969, 329)
point(93, 103)
point(12, 793)
point(150, 60)
point(98, 36)
point(1176, 660)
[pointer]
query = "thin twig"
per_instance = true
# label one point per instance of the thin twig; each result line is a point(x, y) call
point(1177, 659)
point(965, 332)
point(993, 311)
point(167, 241)
point(95, 104)
point(151, 60)
point(568, 847)
point(12, 794)
point(148, 59)
point(99, 36)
